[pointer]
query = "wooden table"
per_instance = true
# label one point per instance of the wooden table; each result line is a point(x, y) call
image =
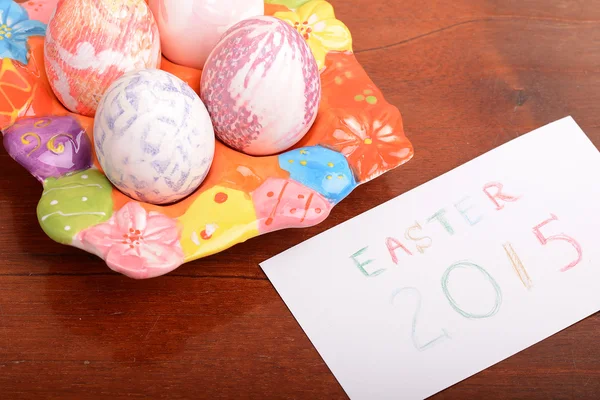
point(467, 75)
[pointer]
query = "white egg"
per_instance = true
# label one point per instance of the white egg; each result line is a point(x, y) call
point(153, 137)
point(190, 29)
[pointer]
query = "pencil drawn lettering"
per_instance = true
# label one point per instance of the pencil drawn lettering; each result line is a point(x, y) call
point(415, 293)
point(362, 264)
point(517, 265)
point(392, 245)
point(440, 216)
point(544, 240)
point(463, 210)
point(419, 239)
point(498, 195)
point(453, 303)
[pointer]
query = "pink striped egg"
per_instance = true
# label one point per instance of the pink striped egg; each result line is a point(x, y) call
point(90, 44)
point(261, 86)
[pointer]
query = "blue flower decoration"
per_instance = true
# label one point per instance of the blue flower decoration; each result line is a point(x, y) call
point(15, 28)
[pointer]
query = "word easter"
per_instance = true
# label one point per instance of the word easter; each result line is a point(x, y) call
point(494, 191)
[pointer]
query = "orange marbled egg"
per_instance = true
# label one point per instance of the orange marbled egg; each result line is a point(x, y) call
point(91, 43)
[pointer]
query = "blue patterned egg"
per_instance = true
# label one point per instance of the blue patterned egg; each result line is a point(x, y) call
point(153, 137)
point(323, 170)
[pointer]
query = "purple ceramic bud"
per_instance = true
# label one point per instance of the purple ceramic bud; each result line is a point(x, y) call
point(49, 146)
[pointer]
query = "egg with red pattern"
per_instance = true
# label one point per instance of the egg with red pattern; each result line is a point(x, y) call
point(261, 86)
point(90, 44)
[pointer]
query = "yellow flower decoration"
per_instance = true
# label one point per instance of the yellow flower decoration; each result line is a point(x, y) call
point(316, 21)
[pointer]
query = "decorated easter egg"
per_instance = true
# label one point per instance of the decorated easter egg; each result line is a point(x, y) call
point(153, 136)
point(201, 23)
point(89, 44)
point(49, 146)
point(261, 86)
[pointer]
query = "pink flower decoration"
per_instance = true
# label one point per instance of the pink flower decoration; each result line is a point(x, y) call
point(136, 243)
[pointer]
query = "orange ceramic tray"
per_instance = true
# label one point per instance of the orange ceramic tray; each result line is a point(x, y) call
point(357, 137)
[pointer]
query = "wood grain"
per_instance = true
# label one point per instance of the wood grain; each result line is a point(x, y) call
point(467, 75)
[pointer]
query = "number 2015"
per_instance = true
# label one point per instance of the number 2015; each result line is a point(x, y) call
point(517, 265)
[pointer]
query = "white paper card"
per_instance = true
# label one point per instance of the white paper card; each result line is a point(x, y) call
point(456, 275)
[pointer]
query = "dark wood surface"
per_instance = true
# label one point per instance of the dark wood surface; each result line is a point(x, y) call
point(467, 75)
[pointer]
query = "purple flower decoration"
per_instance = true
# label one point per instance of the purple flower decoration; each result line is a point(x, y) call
point(15, 29)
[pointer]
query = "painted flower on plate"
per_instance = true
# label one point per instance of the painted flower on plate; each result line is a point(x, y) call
point(136, 243)
point(316, 21)
point(372, 141)
point(15, 28)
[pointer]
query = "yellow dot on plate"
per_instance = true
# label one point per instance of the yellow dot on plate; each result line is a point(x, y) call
point(330, 165)
point(359, 97)
point(340, 176)
point(302, 162)
point(303, 152)
point(368, 141)
point(371, 99)
point(348, 74)
point(368, 91)
point(329, 177)
point(291, 161)
point(338, 80)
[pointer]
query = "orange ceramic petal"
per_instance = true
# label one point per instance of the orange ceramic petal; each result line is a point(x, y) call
point(322, 127)
point(271, 9)
point(189, 75)
point(346, 84)
point(24, 90)
point(17, 88)
point(248, 175)
point(372, 140)
point(236, 170)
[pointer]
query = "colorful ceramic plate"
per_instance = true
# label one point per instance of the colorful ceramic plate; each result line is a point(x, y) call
point(356, 137)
